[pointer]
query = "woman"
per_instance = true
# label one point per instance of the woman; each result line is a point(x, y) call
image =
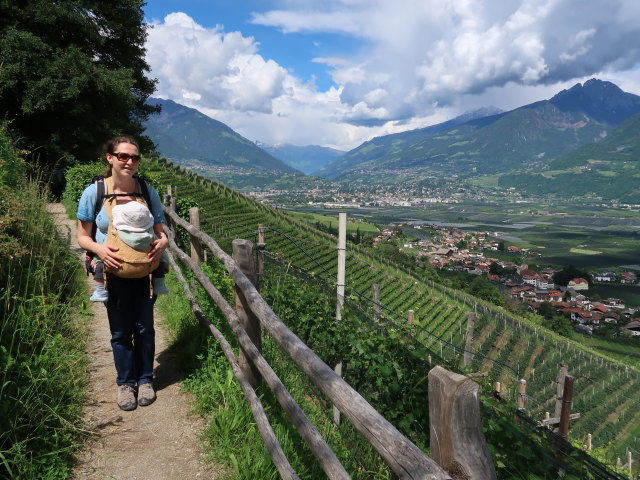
point(130, 305)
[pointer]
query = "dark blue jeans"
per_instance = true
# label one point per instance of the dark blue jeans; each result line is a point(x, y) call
point(130, 312)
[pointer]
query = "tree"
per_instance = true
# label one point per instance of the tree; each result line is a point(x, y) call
point(568, 273)
point(72, 75)
point(483, 288)
point(547, 310)
point(560, 324)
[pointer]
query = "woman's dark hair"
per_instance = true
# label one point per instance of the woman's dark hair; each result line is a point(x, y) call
point(110, 148)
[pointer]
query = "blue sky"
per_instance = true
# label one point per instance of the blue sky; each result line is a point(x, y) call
point(339, 72)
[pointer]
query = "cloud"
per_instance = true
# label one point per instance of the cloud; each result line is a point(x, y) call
point(217, 69)
point(427, 53)
point(408, 64)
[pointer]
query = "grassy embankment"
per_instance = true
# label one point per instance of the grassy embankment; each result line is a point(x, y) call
point(231, 436)
point(42, 334)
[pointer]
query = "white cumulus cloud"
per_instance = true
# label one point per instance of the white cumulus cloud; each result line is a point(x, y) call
point(410, 63)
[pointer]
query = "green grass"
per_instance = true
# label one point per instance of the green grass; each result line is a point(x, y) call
point(42, 338)
point(328, 219)
point(231, 437)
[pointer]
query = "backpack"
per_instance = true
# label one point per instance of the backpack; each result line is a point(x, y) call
point(101, 197)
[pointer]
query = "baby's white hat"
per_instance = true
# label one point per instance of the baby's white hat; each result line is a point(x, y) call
point(132, 217)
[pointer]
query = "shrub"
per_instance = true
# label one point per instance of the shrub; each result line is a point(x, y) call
point(12, 167)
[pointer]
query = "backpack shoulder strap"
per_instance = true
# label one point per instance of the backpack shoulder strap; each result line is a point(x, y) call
point(144, 190)
point(100, 191)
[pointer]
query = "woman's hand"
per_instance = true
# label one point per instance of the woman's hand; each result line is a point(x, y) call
point(107, 254)
point(159, 245)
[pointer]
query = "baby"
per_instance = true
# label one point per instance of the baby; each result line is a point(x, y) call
point(134, 223)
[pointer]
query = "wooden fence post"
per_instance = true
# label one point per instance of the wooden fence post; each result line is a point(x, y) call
point(342, 262)
point(468, 356)
point(376, 302)
point(567, 402)
point(456, 438)
point(196, 247)
point(261, 247)
point(564, 370)
point(522, 394)
point(243, 256)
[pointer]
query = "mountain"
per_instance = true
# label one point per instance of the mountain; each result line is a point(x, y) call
point(396, 142)
point(184, 134)
point(307, 159)
point(529, 137)
point(609, 169)
point(603, 101)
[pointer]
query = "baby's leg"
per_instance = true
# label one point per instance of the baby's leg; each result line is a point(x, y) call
point(100, 294)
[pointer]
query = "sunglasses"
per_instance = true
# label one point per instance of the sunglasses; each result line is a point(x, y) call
point(125, 157)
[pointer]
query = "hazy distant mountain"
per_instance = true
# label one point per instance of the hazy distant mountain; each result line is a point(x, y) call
point(183, 133)
point(529, 137)
point(307, 159)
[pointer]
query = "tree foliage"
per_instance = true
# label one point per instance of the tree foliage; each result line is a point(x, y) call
point(568, 273)
point(72, 75)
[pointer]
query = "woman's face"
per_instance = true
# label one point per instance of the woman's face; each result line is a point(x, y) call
point(125, 159)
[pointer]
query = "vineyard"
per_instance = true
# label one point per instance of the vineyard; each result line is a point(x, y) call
point(506, 348)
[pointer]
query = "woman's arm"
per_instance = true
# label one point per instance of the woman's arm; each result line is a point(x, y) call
point(160, 244)
point(105, 252)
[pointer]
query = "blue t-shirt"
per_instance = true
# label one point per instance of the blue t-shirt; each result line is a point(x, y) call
point(86, 209)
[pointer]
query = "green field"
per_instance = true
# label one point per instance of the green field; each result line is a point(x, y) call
point(332, 220)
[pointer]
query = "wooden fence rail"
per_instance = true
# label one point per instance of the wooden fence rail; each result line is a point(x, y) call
point(404, 458)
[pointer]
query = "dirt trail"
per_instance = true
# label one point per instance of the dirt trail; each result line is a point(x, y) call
point(157, 442)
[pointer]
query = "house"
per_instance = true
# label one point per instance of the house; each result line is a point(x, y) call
point(634, 327)
point(615, 303)
point(578, 284)
point(606, 276)
point(586, 329)
point(628, 277)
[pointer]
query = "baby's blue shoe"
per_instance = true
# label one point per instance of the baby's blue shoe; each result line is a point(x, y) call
point(100, 294)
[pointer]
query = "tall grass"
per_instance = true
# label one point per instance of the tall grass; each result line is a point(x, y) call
point(42, 359)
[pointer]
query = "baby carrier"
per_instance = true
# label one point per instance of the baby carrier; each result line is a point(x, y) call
point(136, 263)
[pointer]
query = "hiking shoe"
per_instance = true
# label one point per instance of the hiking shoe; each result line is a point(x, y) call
point(146, 394)
point(100, 294)
point(126, 397)
point(159, 288)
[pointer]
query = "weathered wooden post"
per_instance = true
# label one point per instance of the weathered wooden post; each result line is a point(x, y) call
point(564, 370)
point(342, 261)
point(589, 442)
point(261, 247)
point(376, 302)
point(243, 256)
point(565, 413)
point(522, 393)
point(196, 247)
point(468, 356)
point(456, 438)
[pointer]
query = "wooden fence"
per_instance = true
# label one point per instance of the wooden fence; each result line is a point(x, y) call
point(457, 441)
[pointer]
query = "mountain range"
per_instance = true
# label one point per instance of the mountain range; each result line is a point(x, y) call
point(582, 141)
point(184, 135)
point(528, 137)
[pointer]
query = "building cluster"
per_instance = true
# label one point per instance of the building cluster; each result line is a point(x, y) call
point(453, 249)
